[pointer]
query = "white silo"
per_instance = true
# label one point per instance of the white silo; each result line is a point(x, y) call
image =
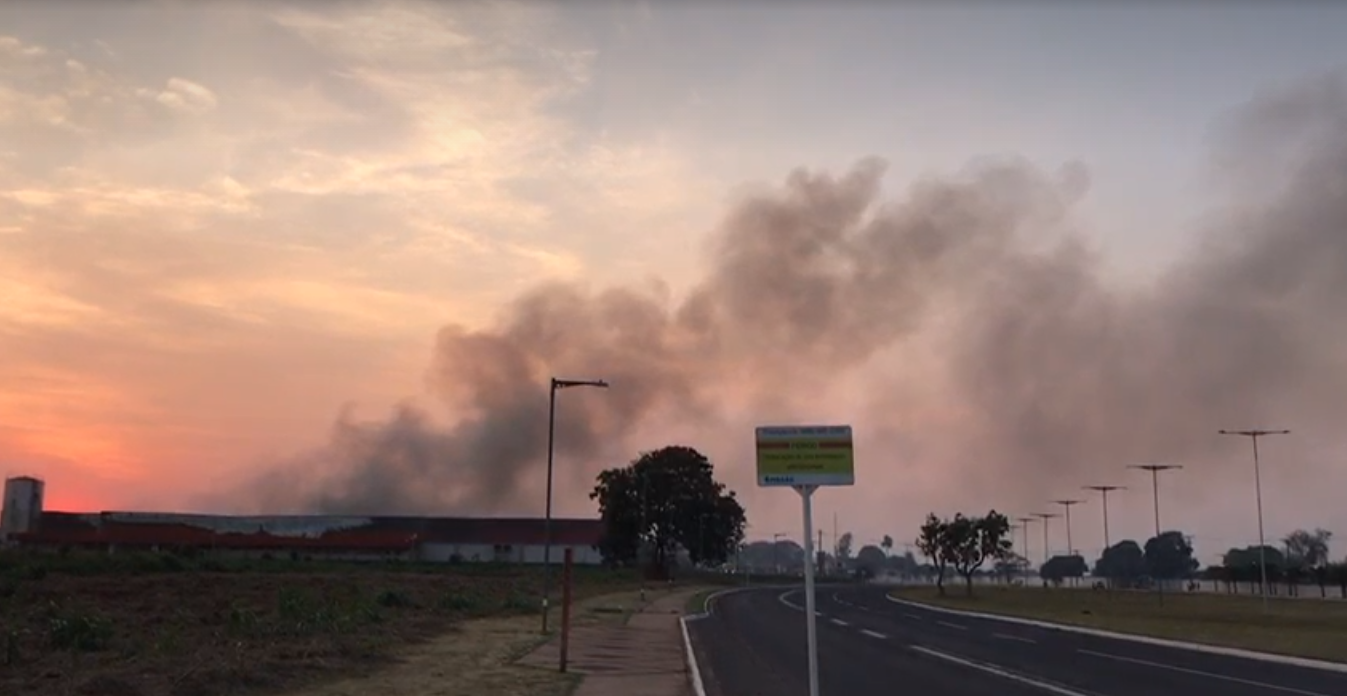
point(23, 506)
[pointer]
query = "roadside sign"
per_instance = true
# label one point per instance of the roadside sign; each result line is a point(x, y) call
point(808, 455)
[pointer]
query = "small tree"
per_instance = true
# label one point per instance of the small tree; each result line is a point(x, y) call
point(932, 544)
point(971, 541)
point(887, 544)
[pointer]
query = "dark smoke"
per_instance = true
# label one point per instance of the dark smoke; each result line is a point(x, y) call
point(1055, 371)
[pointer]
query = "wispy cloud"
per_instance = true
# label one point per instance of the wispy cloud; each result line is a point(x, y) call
point(238, 251)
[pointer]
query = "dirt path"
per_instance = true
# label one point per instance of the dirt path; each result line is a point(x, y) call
point(481, 657)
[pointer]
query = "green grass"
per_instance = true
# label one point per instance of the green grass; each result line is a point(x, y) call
point(1299, 627)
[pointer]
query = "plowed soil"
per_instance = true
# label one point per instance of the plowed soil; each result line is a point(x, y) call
point(191, 633)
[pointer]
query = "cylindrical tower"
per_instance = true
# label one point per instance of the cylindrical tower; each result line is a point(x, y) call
point(23, 506)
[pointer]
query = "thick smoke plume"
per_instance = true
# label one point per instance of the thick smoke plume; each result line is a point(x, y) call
point(1048, 369)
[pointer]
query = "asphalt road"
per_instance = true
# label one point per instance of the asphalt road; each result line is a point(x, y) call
point(753, 644)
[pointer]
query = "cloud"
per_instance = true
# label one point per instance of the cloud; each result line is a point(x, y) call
point(238, 247)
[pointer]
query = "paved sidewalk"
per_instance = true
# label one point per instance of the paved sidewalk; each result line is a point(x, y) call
point(644, 657)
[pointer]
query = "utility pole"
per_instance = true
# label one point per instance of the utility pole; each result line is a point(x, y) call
point(1045, 516)
point(1104, 491)
point(1253, 436)
point(1155, 470)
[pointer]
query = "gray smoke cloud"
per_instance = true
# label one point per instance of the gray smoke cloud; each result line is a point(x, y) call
point(1054, 370)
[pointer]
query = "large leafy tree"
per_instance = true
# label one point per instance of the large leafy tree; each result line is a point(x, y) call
point(666, 499)
point(1170, 556)
point(1122, 563)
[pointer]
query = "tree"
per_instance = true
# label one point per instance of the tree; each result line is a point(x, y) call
point(964, 543)
point(1123, 562)
point(870, 559)
point(971, 541)
point(844, 547)
point(1308, 549)
point(931, 543)
point(887, 544)
point(1170, 556)
point(665, 499)
point(1058, 568)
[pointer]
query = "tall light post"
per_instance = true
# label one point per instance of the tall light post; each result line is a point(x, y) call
point(557, 384)
point(1070, 547)
point(1066, 504)
point(1045, 516)
point(1104, 491)
point(1253, 436)
point(1155, 470)
point(1024, 524)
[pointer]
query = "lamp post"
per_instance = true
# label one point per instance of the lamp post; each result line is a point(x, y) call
point(1070, 547)
point(1045, 516)
point(1253, 436)
point(551, 440)
point(1104, 491)
point(1024, 524)
point(1155, 470)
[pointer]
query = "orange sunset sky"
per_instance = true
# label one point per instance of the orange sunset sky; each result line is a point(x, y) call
point(232, 236)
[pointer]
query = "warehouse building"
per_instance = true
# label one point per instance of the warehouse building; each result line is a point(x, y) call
point(435, 539)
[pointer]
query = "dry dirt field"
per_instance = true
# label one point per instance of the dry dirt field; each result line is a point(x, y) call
point(164, 626)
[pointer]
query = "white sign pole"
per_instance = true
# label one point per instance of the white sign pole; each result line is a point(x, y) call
point(806, 494)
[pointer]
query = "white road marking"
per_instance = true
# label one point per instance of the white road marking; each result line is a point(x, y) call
point(992, 669)
point(953, 625)
point(1007, 636)
point(1213, 675)
point(782, 598)
point(840, 622)
point(914, 617)
point(873, 634)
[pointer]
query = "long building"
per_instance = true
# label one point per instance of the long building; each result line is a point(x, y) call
point(25, 523)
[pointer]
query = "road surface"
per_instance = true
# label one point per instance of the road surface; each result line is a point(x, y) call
point(753, 644)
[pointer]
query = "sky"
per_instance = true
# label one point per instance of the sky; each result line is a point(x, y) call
point(303, 256)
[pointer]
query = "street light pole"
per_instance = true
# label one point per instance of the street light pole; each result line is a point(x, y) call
point(1104, 491)
point(1155, 470)
point(1253, 436)
point(1024, 523)
point(1045, 516)
point(551, 441)
point(1070, 548)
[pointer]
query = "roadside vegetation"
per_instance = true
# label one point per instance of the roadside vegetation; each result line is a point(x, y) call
point(1300, 627)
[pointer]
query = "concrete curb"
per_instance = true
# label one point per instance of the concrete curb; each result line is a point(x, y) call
point(1304, 662)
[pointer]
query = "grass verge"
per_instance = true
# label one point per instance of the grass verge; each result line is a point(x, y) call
point(1302, 628)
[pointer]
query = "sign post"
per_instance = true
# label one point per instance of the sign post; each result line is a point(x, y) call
point(804, 458)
